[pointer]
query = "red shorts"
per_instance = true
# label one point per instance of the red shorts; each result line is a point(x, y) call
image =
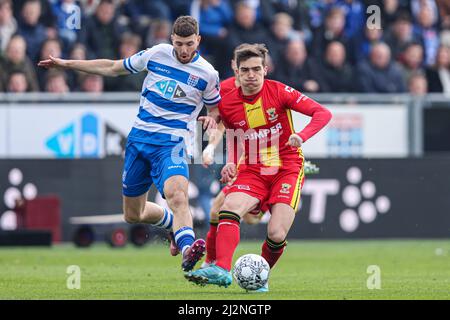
point(282, 186)
point(261, 208)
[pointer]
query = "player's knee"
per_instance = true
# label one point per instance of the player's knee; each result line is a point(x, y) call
point(215, 208)
point(214, 214)
point(176, 198)
point(277, 235)
point(131, 216)
point(131, 219)
point(231, 206)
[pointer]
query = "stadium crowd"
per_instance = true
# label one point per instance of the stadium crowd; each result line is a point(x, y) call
point(315, 46)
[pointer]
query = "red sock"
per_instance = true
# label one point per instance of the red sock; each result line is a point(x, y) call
point(272, 251)
point(211, 242)
point(228, 235)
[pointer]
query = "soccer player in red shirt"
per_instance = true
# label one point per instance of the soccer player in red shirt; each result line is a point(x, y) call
point(258, 117)
point(226, 86)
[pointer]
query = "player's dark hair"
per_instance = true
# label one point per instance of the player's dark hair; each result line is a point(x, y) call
point(240, 47)
point(185, 26)
point(251, 51)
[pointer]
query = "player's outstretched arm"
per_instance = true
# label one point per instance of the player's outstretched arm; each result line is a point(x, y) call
point(103, 67)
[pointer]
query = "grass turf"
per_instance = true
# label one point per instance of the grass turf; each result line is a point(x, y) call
point(411, 269)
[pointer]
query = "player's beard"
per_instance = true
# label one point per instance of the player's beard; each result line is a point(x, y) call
point(185, 60)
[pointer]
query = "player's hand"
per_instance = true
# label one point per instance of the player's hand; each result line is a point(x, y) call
point(228, 172)
point(295, 141)
point(208, 155)
point(208, 123)
point(52, 62)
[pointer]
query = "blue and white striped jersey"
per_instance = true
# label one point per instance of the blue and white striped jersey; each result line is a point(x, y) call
point(173, 95)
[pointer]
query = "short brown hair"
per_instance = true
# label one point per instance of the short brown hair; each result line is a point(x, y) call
point(185, 26)
point(251, 51)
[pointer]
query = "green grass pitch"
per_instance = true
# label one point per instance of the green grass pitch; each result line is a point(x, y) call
point(409, 269)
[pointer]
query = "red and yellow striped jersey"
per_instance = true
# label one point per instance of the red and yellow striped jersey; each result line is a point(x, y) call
point(263, 123)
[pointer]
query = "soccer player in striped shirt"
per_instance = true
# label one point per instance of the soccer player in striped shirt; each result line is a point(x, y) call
point(258, 116)
point(179, 82)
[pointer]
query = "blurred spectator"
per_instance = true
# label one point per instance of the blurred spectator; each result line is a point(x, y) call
point(214, 17)
point(438, 76)
point(332, 30)
point(298, 10)
point(51, 47)
point(418, 5)
point(245, 29)
point(16, 59)
point(159, 32)
point(56, 82)
point(400, 35)
point(444, 13)
point(380, 74)
point(46, 18)
point(361, 45)
point(102, 31)
point(264, 10)
point(17, 82)
point(281, 33)
point(296, 70)
point(90, 6)
point(64, 10)
point(129, 45)
point(179, 7)
point(74, 78)
point(412, 60)
point(417, 84)
point(355, 16)
point(92, 83)
point(144, 9)
point(337, 75)
point(428, 33)
point(31, 29)
point(392, 9)
point(317, 11)
point(445, 37)
point(137, 15)
point(8, 24)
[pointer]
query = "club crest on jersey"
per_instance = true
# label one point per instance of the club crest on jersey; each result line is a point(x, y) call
point(285, 188)
point(272, 113)
point(192, 80)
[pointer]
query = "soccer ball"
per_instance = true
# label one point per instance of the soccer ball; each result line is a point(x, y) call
point(251, 272)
